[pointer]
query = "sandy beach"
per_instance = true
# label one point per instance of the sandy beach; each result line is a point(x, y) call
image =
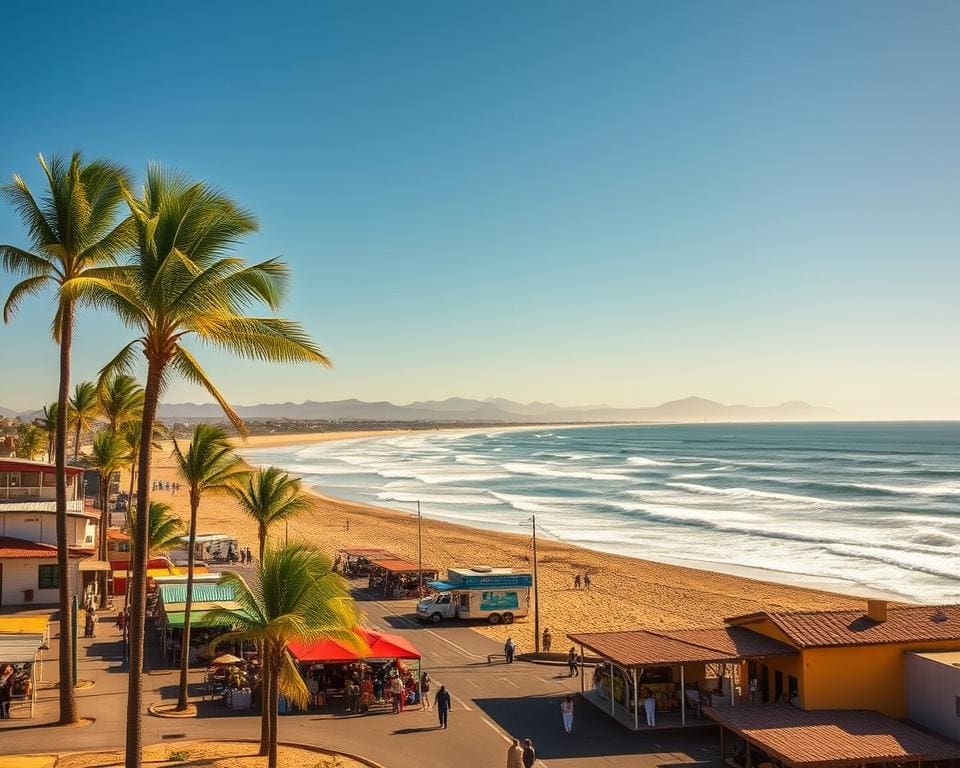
point(627, 593)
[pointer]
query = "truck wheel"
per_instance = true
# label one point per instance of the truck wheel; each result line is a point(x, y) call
point(494, 618)
point(435, 618)
point(508, 618)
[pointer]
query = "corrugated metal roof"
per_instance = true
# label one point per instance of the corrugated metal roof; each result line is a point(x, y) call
point(202, 593)
point(19, 649)
point(923, 623)
point(396, 565)
point(829, 737)
point(197, 619)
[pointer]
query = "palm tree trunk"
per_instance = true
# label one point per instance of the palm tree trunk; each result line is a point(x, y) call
point(102, 543)
point(266, 697)
point(263, 541)
point(138, 600)
point(68, 700)
point(274, 709)
point(185, 644)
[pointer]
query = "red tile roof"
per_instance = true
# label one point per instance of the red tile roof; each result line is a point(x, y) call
point(830, 737)
point(10, 464)
point(644, 648)
point(922, 623)
point(396, 565)
point(11, 548)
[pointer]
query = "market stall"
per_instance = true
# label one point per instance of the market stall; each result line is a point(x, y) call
point(336, 671)
point(29, 625)
point(22, 653)
point(354, 562)
point(394, 577)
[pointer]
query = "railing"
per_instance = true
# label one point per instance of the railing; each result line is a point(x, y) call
point(19, 493)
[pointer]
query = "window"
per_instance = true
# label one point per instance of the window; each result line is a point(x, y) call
point(48, 578)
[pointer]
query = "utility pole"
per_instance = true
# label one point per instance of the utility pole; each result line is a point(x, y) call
point(536, 590)
point(419, 551)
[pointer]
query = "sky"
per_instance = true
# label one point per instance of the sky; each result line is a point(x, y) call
point(603, 202)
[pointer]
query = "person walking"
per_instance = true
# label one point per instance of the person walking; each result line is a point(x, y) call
point(425, 691)
point(6, 690)
point(515, 755)
point(566, 710)
point(586, 581)
point(576, 581)
point(650, 708)
point(443, 705)
point(547, 640)
point(508, 650)
point(572, 661)
point(529, 754)
point(396, 689)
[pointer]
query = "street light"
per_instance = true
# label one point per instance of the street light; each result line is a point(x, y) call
point(536, 587)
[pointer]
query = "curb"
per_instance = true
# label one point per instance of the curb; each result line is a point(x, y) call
point(162, 711)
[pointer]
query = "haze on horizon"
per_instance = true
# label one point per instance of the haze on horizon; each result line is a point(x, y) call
point(619, 203)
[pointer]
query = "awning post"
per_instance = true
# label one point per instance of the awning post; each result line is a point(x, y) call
point(613, 701)
point(582, 688)
point(636, 702)
point(683, 699)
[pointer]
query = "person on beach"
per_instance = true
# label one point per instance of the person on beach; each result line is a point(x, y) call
point(586, 581)
point(443, 705)
point(572, 661)
point(425, 691)
point(529, 754)
point(515, 755)
point(509, 649)
point(566, 711)
point(547, 640)
point(576, 581)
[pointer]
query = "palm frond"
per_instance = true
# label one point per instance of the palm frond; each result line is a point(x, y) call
point(23, 262)
point(188, 367)
point(270, 339)
point(30, 286)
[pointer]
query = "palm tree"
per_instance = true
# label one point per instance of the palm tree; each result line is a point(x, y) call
point(269, 496)
point(108, 455)
point(209, 466)
point(295, 596)
point(72, 231)
point(121, 401)
point(164, 530)
point(31, 441)
point(180, 284)
point(48, 423)
point(84, 409)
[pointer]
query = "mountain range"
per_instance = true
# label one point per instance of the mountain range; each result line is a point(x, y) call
point(494, 409)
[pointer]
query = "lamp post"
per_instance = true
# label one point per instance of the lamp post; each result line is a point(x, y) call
point(419, 551)
point(536, 589)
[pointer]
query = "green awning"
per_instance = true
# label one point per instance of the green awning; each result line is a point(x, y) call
point(197, 620)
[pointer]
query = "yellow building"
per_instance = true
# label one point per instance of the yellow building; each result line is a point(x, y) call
point(849, 659)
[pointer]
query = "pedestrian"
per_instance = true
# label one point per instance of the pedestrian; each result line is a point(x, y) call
point(396, 688)
point(425, 691)
point(249, 556)
point(586, 581)
point(547, 640)
point(6, 690)
point(443, 705)
point(515, 755)
point(122, 621)
point(566, 710)
point(576, 581)
point(508, 650)
point(572, 661)
point(650, 708)
point(529, 754)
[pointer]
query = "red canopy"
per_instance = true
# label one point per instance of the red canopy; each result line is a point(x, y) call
point(380, 644)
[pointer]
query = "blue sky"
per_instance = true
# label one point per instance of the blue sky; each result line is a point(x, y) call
point(618, 202)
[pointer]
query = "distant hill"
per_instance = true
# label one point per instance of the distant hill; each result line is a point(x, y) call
point(456, 409)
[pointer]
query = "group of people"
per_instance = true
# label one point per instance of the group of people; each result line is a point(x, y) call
point(521, 755)
point(244, 555)
point(581, 582)
point(165, 485)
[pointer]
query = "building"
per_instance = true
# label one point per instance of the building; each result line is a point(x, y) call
point(803, 688)
point(28, 533)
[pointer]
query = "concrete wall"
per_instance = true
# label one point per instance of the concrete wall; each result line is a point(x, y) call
point(41, 527)
point(22, 573)
point(933, 689)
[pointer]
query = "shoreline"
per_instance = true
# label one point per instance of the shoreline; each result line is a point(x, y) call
point(628, 592)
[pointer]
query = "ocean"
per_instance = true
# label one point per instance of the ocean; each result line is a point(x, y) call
point(868, 508)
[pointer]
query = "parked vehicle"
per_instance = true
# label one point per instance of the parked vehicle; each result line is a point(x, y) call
point(499, 595)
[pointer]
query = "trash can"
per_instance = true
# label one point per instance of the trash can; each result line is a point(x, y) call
point(28, 595)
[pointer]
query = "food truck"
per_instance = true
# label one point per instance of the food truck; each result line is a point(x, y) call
point(209, 548)
point(479, 592)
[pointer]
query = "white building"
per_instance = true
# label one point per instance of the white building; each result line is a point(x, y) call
point(28, 533)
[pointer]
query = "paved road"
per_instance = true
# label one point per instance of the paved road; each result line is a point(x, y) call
point(492, 703)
